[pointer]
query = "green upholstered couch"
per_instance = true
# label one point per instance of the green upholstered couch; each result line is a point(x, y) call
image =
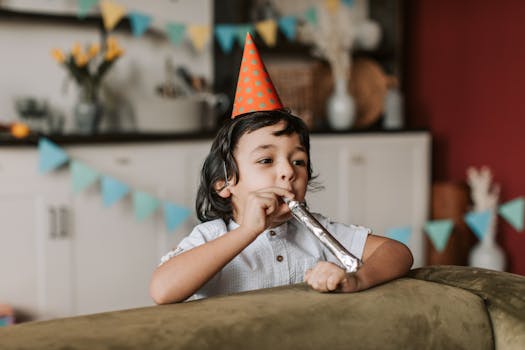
point(446, 307)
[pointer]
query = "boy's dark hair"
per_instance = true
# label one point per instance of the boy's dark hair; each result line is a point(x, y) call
point(209, 204)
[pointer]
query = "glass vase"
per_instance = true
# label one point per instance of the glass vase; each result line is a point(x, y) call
point(340, 106)
point(487, 253)
point(88, 111)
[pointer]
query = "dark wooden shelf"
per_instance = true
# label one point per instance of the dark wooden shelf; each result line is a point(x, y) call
point(137, 137)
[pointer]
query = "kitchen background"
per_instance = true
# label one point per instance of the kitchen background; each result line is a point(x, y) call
point(421, 70)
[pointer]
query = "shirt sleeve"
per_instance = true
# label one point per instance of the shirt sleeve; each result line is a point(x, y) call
point(199, 235)
point(352, 237)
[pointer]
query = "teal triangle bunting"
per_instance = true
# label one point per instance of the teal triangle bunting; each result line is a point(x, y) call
point(176, 32)
point(439, 232)
point(50, 156)
point(174, 215)
point(241, 30)
point(139, 22)
point(82, 176)
point(288, 25)
point(112, 190)
point(479, 222)
point(225, 34)
point(512, 211)
point(144, 205)
point(311, 16)
point(84, 6)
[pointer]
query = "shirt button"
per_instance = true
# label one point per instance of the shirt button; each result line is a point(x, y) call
point(272, 233)
point(280, 258)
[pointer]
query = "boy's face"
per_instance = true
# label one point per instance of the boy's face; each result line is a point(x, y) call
point(265, 160)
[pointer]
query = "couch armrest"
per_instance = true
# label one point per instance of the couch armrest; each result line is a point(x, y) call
point(502, 292)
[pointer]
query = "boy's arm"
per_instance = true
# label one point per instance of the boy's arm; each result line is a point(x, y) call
point(181, 276)
point(383, 260)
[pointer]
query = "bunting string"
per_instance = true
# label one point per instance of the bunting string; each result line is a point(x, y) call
point(112, 12)
point(51, 157)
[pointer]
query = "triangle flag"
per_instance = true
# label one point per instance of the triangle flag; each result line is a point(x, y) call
point(112, 13)
point(479, 222)
point(199, 36)
point(84, 6)
point(268, 31)
point(311, 16)
point(176, 32)
point(112, 190)
point(241, 31)
point(225, 34)
point(144, 205)
point(255, 90)
point(139, 22)
point(332, 5)
point(512, 211)
point(82, 175)
point(288, 25)
point(174, 215)
point(401, 234)
point(50, 155)
point(439, 231)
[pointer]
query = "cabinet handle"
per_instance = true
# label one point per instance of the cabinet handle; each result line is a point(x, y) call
point(358, 159)
point(52, 222)
point(64, 222)
point(122, 161)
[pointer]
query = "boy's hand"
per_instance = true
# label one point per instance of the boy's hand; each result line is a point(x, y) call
point(264, 208)
point(328, 277)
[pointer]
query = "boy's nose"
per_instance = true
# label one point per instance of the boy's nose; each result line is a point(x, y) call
point(287, 172)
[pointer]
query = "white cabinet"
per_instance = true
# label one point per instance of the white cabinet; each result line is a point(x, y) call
point(380, 181)
point(33, 238)
point(65, 254)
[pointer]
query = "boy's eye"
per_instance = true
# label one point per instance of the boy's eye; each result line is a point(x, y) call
point(299, 162)
point(265, 161)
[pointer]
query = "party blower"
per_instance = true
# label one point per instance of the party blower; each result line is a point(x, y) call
point(301, 214)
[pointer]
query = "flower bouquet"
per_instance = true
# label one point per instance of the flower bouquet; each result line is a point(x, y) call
point(87, 66)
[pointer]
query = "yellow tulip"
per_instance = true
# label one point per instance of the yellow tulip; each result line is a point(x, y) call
point(111, 42)
point(110, 55)
point(76, 49)
point(94, 49)
point(58, 55)
point(81, 59)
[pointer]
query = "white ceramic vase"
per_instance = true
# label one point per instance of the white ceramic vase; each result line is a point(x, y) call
point(340, 107)
point(487, 253)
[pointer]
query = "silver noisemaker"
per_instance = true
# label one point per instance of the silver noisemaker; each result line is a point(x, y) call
point(301, 214)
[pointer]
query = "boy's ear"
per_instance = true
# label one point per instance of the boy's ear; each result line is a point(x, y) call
point(221, 189)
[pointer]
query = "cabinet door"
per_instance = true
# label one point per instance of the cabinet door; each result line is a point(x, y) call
point(34, 251)
point(114, 255)
point(380, 182)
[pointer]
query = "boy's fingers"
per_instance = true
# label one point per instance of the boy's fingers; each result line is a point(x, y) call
point(307, 275)
point(281, 192)
point(332, 282)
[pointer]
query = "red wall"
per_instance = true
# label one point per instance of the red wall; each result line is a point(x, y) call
point(465, 82)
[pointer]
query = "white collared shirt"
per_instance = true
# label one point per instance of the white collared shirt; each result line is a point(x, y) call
point(278, 256)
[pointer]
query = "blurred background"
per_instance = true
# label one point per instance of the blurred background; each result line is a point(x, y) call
point(107, 109)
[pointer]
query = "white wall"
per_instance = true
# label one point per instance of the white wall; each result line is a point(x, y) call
point(27, 68)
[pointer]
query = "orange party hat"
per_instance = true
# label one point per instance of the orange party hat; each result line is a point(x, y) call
point(255, 90)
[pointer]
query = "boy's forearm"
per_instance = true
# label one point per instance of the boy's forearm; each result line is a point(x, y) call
point(184, 274)
point(389, 261)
